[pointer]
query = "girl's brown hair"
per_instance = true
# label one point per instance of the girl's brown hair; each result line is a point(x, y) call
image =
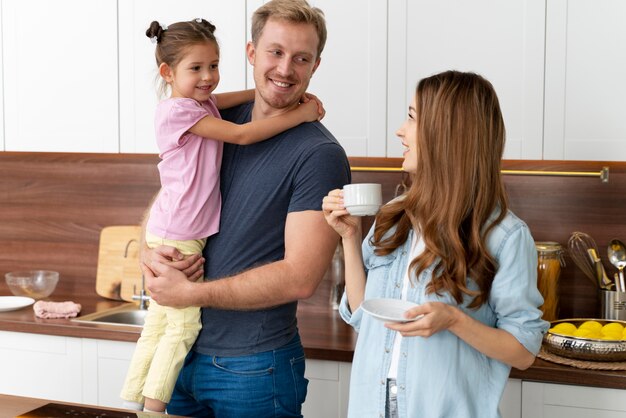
point(457, 186)
point(172, 42)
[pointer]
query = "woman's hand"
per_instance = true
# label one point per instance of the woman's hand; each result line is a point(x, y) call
point(338, 217)
point(438, 316)
point(191, 266)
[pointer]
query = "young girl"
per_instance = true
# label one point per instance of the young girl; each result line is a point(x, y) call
point(450, 245)
point(189, 132)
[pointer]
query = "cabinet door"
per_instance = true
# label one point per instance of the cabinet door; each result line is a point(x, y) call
point(327, 394)
point(138, 69)
point(352, 74)
point(60, 75)
point(585, 84)
point(2, 141)
point(113, 359)
point(543, 400)
point(511, 402)
point(501, 40)
point(41, 366)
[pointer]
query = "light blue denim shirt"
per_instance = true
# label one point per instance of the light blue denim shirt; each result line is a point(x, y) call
point(442, 376)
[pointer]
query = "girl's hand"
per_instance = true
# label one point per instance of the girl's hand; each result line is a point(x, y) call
point(310, 111)
point(307, 97)
point(338, 217)
point(192, 266)
point(438, 316)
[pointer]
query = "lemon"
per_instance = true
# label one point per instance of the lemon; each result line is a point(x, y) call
point(563, 328)
point(591, 325)
point(611, 336)
point(582, 332)
point(613, 327)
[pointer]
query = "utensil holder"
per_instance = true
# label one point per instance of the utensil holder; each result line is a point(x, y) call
point(613, 305)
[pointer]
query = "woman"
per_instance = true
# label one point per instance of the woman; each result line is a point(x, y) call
point(451, 245)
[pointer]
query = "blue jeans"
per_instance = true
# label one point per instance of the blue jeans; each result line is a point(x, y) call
point(268, 384)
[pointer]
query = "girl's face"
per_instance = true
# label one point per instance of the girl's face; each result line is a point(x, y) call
point(196, 75)
point(408, 135)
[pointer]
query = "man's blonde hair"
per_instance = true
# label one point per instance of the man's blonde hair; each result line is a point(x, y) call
point(294, 11)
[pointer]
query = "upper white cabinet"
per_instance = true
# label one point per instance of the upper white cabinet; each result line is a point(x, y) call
point(60, 75)
point(585, 91)
point(501, 40)
point(351, 78)
point(80, 76)
point(138, 69)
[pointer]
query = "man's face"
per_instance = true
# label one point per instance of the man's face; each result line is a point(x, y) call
point(284, 59)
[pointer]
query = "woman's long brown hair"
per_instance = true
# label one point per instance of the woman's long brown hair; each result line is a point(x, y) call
point(457, 185)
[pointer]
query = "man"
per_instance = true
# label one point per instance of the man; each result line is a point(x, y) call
point(273, 246)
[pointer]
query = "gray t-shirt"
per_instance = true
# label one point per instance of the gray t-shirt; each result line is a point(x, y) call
point(260, 184)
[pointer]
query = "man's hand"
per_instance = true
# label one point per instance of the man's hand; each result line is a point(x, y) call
point(167, 285)
point(192, 266)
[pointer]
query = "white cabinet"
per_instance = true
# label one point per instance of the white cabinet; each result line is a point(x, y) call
point(138, 69)
point(108, 361)
point(585, 86)
point(543, 400)
point(60, 75)
point(511, 401)
point(503, 41)
point(351, 78)
point(41, 366)
point(329, 383)
point(66, 369)
point(91, 371)
point(327, 395)
point(79, 76)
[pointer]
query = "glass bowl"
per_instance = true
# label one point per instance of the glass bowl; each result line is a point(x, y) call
point(582, 348)
point(36, 284)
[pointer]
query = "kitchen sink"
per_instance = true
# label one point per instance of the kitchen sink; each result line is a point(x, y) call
point(126, 315)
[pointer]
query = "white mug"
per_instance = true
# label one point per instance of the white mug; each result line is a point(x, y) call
point(362, 199)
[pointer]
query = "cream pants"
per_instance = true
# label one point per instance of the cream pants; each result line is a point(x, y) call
point(167, 337)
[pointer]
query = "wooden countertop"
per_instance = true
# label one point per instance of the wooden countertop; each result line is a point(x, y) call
point(324, 335)
point(12, 406)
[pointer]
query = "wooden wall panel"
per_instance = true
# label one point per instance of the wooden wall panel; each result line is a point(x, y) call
point(54, 205)
point(553, 208)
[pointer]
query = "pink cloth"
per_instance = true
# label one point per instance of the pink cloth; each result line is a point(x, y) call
point(188, 205)
point(49, 310)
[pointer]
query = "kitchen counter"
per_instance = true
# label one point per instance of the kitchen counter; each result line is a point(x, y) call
point(13, 406)
point(324, 336)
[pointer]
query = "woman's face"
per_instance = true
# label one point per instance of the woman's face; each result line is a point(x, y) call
point(408, 135)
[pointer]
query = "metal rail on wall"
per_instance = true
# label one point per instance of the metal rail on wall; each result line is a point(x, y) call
point(602, 174)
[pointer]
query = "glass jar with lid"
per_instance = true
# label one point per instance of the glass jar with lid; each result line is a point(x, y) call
point(549, 263)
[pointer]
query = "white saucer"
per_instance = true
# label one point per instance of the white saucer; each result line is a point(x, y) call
point(389, 310)
point(11, 303)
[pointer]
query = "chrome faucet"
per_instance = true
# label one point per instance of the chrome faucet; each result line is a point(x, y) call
point(141, 297)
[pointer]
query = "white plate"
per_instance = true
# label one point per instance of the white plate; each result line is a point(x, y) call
point(389, 310)
point(11, 303)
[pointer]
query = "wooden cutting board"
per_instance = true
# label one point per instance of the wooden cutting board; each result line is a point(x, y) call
point(118, 258)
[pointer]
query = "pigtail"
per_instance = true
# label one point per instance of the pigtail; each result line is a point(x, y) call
point(205, 24)
point(155, 32)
